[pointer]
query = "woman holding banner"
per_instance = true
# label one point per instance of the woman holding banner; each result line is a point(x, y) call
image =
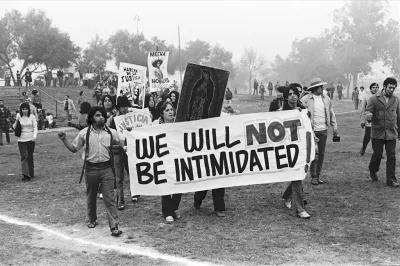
point(293, 194)
point(174, 96)
point(169, 203)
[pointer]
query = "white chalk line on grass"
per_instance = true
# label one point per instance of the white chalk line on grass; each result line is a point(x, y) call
point(138, 251)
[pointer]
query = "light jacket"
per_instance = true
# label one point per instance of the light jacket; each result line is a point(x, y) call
point(364, 100)
point(330, 118)
point(385, 123)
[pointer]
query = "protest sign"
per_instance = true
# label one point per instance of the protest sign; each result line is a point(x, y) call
point(202, 93)
point(134, 119)
point(131, 81)
point(220, 152)
point(158, 75)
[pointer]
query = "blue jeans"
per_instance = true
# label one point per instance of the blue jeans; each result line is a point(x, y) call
point(316, 165)
point(390, 147)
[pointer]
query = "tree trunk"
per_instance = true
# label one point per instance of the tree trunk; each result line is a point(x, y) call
point(250, 83)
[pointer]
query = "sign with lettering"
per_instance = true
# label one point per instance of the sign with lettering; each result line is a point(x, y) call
point(220, 152)
point(202, 93)
point(158, 75)
point(131, 81)
point(134, 119)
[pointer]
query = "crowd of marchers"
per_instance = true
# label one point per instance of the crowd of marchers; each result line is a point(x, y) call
point(106, 161)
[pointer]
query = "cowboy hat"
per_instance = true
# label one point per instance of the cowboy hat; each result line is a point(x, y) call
point(123, 101)
point(156, 62)
point(315, 82)
point(281, 89)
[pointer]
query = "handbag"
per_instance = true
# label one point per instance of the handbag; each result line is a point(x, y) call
point(18, 129)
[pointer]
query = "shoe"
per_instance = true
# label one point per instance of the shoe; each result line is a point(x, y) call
point(220, 213)
point(116, 232)
point(196, 205)
point(26, 178)
point(121, 206)
point(303, 215)
point(101, 195)
point(169, 219)
point(314, 181)
point(177, 214)
point(373, 176)
point(287, 203)
point(393, 184)
point(362, 151)
point(135, 198)
point(320, 181)
point(92, 224)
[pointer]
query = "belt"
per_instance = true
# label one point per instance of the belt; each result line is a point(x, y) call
point(98, 165)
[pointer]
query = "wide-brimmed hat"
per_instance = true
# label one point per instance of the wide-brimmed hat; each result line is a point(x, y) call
point(315, 82)
point(281, 89)
point(156, 62)
point(123, 101)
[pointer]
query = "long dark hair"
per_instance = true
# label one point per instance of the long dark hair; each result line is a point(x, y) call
point(175, 104)
point(23, 106)
point(162, 109)
point(111, 99)
point(85, 107)
point(93, 110)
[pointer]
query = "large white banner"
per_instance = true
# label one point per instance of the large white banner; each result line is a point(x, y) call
point(220, 152)
point(131, 80)
point(134, 119)
point(158, 75)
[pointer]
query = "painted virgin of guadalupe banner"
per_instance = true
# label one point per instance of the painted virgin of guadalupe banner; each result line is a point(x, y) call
point(158, 76)
point(131, 81)
point(134, 119)
point(220, 152)
point(202, 93)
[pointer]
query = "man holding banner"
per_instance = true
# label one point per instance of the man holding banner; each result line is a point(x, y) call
point(125, 121)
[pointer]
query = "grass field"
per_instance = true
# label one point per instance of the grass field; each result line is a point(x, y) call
point(354, 221)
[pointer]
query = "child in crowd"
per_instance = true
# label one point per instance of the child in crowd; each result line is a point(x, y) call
point(49, 122)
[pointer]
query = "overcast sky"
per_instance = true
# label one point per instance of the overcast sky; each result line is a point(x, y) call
point(267, 26)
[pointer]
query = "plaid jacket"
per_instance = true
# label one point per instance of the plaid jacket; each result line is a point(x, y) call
point(4, 116)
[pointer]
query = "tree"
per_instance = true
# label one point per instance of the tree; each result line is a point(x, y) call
point(252, 62)
point(356, 36)
point(390, 53)
point(96, 55)
point(197, 52)
point(221, 58)
point(33, 40)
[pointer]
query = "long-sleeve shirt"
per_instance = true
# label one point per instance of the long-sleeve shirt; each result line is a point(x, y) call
point(29, 127)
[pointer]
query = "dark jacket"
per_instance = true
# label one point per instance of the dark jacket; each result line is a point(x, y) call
point(276, 104)
point(385, 123)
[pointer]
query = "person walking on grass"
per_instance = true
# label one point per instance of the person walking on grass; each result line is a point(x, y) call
point(293, 196)
point(5, 118)
point(354, 97)
point(98, 165)
point(169, 203)
point(69, 107)
point(383, 111)
point(27, 139)
point(322, 115)
point(374, 87)
point(262, 91)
